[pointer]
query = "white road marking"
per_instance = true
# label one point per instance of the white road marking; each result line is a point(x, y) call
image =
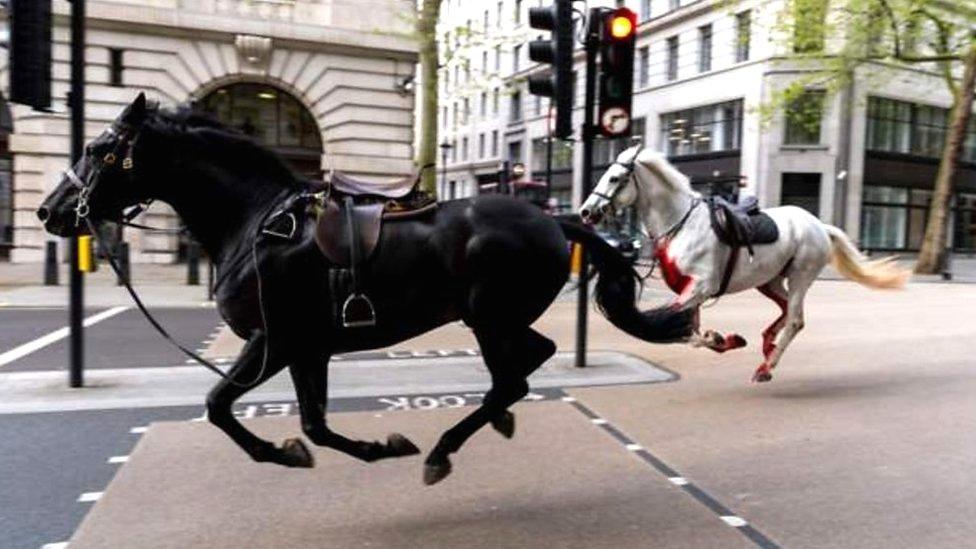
point(89, 496)
point(634, 447)
point(58, 545)
point(118, 459)
point(569, 399)
point(734, 521)
point(678, 481)
point(138, 430)
point(599, 421)
point(53, 337)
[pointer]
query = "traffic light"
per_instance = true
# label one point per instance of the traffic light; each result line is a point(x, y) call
point(30, 52)
point(617, 36)
point(560, 84)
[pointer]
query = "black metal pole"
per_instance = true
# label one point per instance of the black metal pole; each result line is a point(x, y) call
point(582, 298)
point(549, 156)
point(76, 100)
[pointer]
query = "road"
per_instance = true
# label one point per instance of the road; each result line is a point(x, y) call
point(864, 436)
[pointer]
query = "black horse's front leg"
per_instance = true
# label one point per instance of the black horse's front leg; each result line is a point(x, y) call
point(311, 386)
point(252, 369)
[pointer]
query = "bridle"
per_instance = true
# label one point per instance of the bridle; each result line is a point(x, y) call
point(125, 143)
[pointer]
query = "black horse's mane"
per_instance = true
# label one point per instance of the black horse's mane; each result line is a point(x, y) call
point(185, 119)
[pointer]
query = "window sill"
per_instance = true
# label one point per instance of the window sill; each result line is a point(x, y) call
point(803, 148)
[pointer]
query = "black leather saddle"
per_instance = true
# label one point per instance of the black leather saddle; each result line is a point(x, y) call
point(739, 225)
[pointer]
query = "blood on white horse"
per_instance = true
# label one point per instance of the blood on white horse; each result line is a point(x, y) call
point(693, 260)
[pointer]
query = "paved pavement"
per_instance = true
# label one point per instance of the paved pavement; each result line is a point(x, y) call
point(863, 439)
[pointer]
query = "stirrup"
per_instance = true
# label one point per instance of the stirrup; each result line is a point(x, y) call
point(358, 312)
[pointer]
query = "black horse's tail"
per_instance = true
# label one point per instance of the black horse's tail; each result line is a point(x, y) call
point(616, 292)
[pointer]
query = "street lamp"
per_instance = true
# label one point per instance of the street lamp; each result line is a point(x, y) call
point(445, 147)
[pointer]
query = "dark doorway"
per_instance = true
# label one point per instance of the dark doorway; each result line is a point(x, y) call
point(274, 118)
point(803, 190)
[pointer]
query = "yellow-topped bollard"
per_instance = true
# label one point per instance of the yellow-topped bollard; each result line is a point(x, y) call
point(86, 261)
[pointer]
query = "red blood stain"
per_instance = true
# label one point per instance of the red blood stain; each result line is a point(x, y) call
point(769, 334)
point(673, 277)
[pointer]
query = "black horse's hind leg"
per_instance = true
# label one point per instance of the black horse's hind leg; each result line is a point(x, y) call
point(510, 358)
point(293, 452)
point(311, 386)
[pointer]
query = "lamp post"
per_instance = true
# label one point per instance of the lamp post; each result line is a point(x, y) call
point(445, 147)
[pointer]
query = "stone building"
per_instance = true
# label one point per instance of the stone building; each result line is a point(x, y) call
point(327, 83)
point(703, 69)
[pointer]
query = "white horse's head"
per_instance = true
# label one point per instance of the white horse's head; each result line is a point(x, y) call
point(617, 189)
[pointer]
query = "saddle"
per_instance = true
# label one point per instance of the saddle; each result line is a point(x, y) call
point(739, 225)
point(350, 214)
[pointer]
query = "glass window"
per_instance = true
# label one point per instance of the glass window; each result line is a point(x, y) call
point(516, 108)
point(743, 35)
point(713, 128)
point(673, 58)
point(910, 128)
point(644, 68)
point(705, 48)
point(808, 27)
point(803, 119)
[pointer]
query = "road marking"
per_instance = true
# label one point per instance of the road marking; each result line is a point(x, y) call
point(58, 545)
point(696, 492)
point(89, 497)
point(734, 521)
point(138, 430)
point(55, 336)
point(118, 459)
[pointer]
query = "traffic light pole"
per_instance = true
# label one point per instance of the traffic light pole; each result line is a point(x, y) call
point(588, 132)
point(76, 101)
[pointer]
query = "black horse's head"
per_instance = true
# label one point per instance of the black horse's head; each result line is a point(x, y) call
point(101, 185)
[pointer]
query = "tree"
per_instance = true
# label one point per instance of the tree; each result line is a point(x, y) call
point(426, 26)
point(835, 39)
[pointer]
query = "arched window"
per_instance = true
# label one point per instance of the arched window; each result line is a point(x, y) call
point(274, 118)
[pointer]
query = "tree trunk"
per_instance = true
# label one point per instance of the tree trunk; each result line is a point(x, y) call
point(932, 254)
point(426, 157)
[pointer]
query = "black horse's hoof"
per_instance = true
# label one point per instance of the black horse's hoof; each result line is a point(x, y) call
point(294, 453)
point(505, 424)
point(400, 446)
point(436, 472)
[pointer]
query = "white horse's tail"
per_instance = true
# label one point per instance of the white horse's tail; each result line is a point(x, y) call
point(881, 273)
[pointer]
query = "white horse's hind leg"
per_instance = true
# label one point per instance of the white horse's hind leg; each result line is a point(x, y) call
point(799, 282)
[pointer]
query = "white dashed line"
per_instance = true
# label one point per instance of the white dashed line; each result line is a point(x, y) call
point(55, 336)
point(118, 459)
point(89, 497)
point(58, 545)
point(599, 421)
point(734, 521)
point(678, 481)
point(568, 399)
point(138, 430)
point(634, 447)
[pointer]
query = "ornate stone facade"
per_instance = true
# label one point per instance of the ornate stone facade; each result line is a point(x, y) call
point(344, 67)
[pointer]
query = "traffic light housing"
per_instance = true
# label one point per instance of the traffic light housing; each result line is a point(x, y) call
point(30, 52)
point(560, 84)
point(618, 34)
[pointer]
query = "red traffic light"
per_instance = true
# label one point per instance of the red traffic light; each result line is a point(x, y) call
point(621, 24)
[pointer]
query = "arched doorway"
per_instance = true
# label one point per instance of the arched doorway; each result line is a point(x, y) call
point(274, 118)
point(6, 183)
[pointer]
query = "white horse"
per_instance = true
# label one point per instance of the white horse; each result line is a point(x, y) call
point(697, 266)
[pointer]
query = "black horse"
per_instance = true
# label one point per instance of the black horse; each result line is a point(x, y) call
point(494, 262)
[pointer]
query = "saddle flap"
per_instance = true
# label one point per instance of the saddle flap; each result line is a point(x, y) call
point(332, 231)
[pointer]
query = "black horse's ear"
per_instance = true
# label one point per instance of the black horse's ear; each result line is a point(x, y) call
point(135, 113)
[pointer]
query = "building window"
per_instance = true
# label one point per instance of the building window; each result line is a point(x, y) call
point(115, 67)
point(516, 109)
point(673, 58)
point(644, 68)
point(467, 111)
point(483, 107)
point(498, 58)
point(518, 11)
point(709, 129)
point(743, 35)
point(645, 10)
point(910, 128)
point(494, 143)
point(481, 145)
point(454, 150)
point(494, 102)
point(705, 48)
point(674, 4)
point(516, 56)
point(464, 148)
point(809, 21)
point(804, 117)
point(484, 62)
point(484, 24)
point(515, 152)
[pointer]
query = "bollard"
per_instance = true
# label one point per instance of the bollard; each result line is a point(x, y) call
point(211, 280)
point(192, 264)
point(51, 263)
point(122, 257)
point(86, 257)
